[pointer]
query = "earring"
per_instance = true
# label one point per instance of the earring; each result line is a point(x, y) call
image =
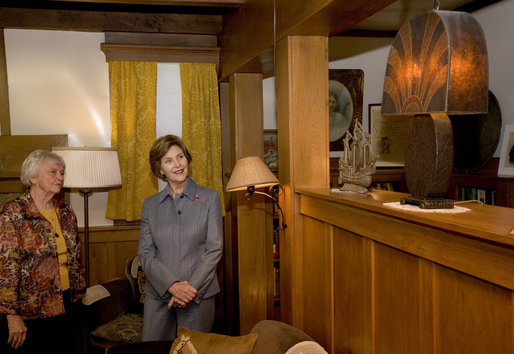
point(162, 173)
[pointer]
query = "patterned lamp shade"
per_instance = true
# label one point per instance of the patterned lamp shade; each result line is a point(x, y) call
point(250, 171)
point(437, 64)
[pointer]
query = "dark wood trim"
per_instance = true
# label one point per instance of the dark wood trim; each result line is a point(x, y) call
point(475, 5)
point(169, 54)
point(201, 3)
point(5, 120)
point(367, 33)
point(102, 21)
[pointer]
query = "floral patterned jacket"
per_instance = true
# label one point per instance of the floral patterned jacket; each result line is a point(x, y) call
point(30, 285)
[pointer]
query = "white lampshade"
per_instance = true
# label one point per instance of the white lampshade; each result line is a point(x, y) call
point(250, 171)
point(89, 168)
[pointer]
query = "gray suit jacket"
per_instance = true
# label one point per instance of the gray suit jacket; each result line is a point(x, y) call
point(181, 239)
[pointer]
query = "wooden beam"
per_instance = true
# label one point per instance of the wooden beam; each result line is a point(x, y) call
point(169, 54)
point(100, 21)
point(250, 31)
point(5, 120)
point(202, 3)
point(168, 39)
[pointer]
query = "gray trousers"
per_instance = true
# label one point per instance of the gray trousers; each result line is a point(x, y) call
point(161, 324)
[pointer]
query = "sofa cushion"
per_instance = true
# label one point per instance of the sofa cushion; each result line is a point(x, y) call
point(306, 347)
point(124, 328)
point(213, 343)
point(276, 337)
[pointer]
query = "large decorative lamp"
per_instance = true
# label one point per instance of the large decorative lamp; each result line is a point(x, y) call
point(89, 169)
point(437, 66)
point(251, 173)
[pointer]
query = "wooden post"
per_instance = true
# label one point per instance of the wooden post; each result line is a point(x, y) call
point(5, 122)
point(302, 109)
point(255, 295)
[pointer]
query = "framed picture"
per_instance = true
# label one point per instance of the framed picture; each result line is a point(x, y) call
point(271, 149)
point(506, 166)
point(344, 102)
point(388, 137)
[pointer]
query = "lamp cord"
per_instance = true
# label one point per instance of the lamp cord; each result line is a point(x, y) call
point(275, 203)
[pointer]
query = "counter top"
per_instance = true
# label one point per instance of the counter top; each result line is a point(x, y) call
point(487, 222)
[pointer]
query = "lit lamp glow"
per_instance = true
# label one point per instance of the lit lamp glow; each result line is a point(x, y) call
point(89, 169)
point(437, 66)
point(250, 173)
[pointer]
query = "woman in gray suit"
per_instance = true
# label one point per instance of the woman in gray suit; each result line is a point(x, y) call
point(180, 245)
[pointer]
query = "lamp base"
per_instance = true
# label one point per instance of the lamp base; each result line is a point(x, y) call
point(428, 203)
point(429, 161)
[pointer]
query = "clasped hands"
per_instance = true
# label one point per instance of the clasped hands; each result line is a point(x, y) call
point(181, 294)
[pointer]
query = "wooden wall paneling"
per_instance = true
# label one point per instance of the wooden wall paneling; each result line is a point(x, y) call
point(255, 259)
point(5, 122)
point(352, 292)
point(433, 243)
point(427, 293)
point(427, 302)
point(473, 316)
point(397, 308)
point(110, 248)
point(317, 307)
point(302, 124)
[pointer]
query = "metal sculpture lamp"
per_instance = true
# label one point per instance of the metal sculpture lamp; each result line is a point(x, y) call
point(89, 169)
point(437, 66)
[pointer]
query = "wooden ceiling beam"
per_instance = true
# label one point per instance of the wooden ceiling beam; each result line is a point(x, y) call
point(250, 31)
point(99, 21)
point(201, 3)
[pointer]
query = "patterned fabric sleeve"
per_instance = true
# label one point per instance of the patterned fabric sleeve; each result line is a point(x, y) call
point(9, 263)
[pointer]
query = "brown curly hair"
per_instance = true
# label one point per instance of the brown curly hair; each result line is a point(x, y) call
point(160, 147)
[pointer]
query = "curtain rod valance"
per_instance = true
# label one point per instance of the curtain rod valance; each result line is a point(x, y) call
point(160, 53)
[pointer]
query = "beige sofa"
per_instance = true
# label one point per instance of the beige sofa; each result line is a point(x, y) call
point(273, 337)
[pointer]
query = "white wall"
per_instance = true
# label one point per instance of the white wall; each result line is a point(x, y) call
point(59, 84)
point(496, 21)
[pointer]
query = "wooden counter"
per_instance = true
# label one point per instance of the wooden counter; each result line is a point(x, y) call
point(380, 280)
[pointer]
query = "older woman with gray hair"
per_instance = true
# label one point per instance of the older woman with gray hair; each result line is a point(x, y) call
point(40, 270)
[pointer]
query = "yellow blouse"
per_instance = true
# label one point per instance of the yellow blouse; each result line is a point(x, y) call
point(51, 215)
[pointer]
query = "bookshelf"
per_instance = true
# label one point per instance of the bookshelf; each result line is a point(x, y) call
point(273, 223)
point(468, 185)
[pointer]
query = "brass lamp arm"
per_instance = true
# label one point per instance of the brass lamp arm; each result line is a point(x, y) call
point(251, 191)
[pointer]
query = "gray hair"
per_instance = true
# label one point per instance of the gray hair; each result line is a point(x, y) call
point(32, 164)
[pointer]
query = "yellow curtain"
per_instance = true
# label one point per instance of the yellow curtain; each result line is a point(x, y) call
point(133, 100)
point(201, 124)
